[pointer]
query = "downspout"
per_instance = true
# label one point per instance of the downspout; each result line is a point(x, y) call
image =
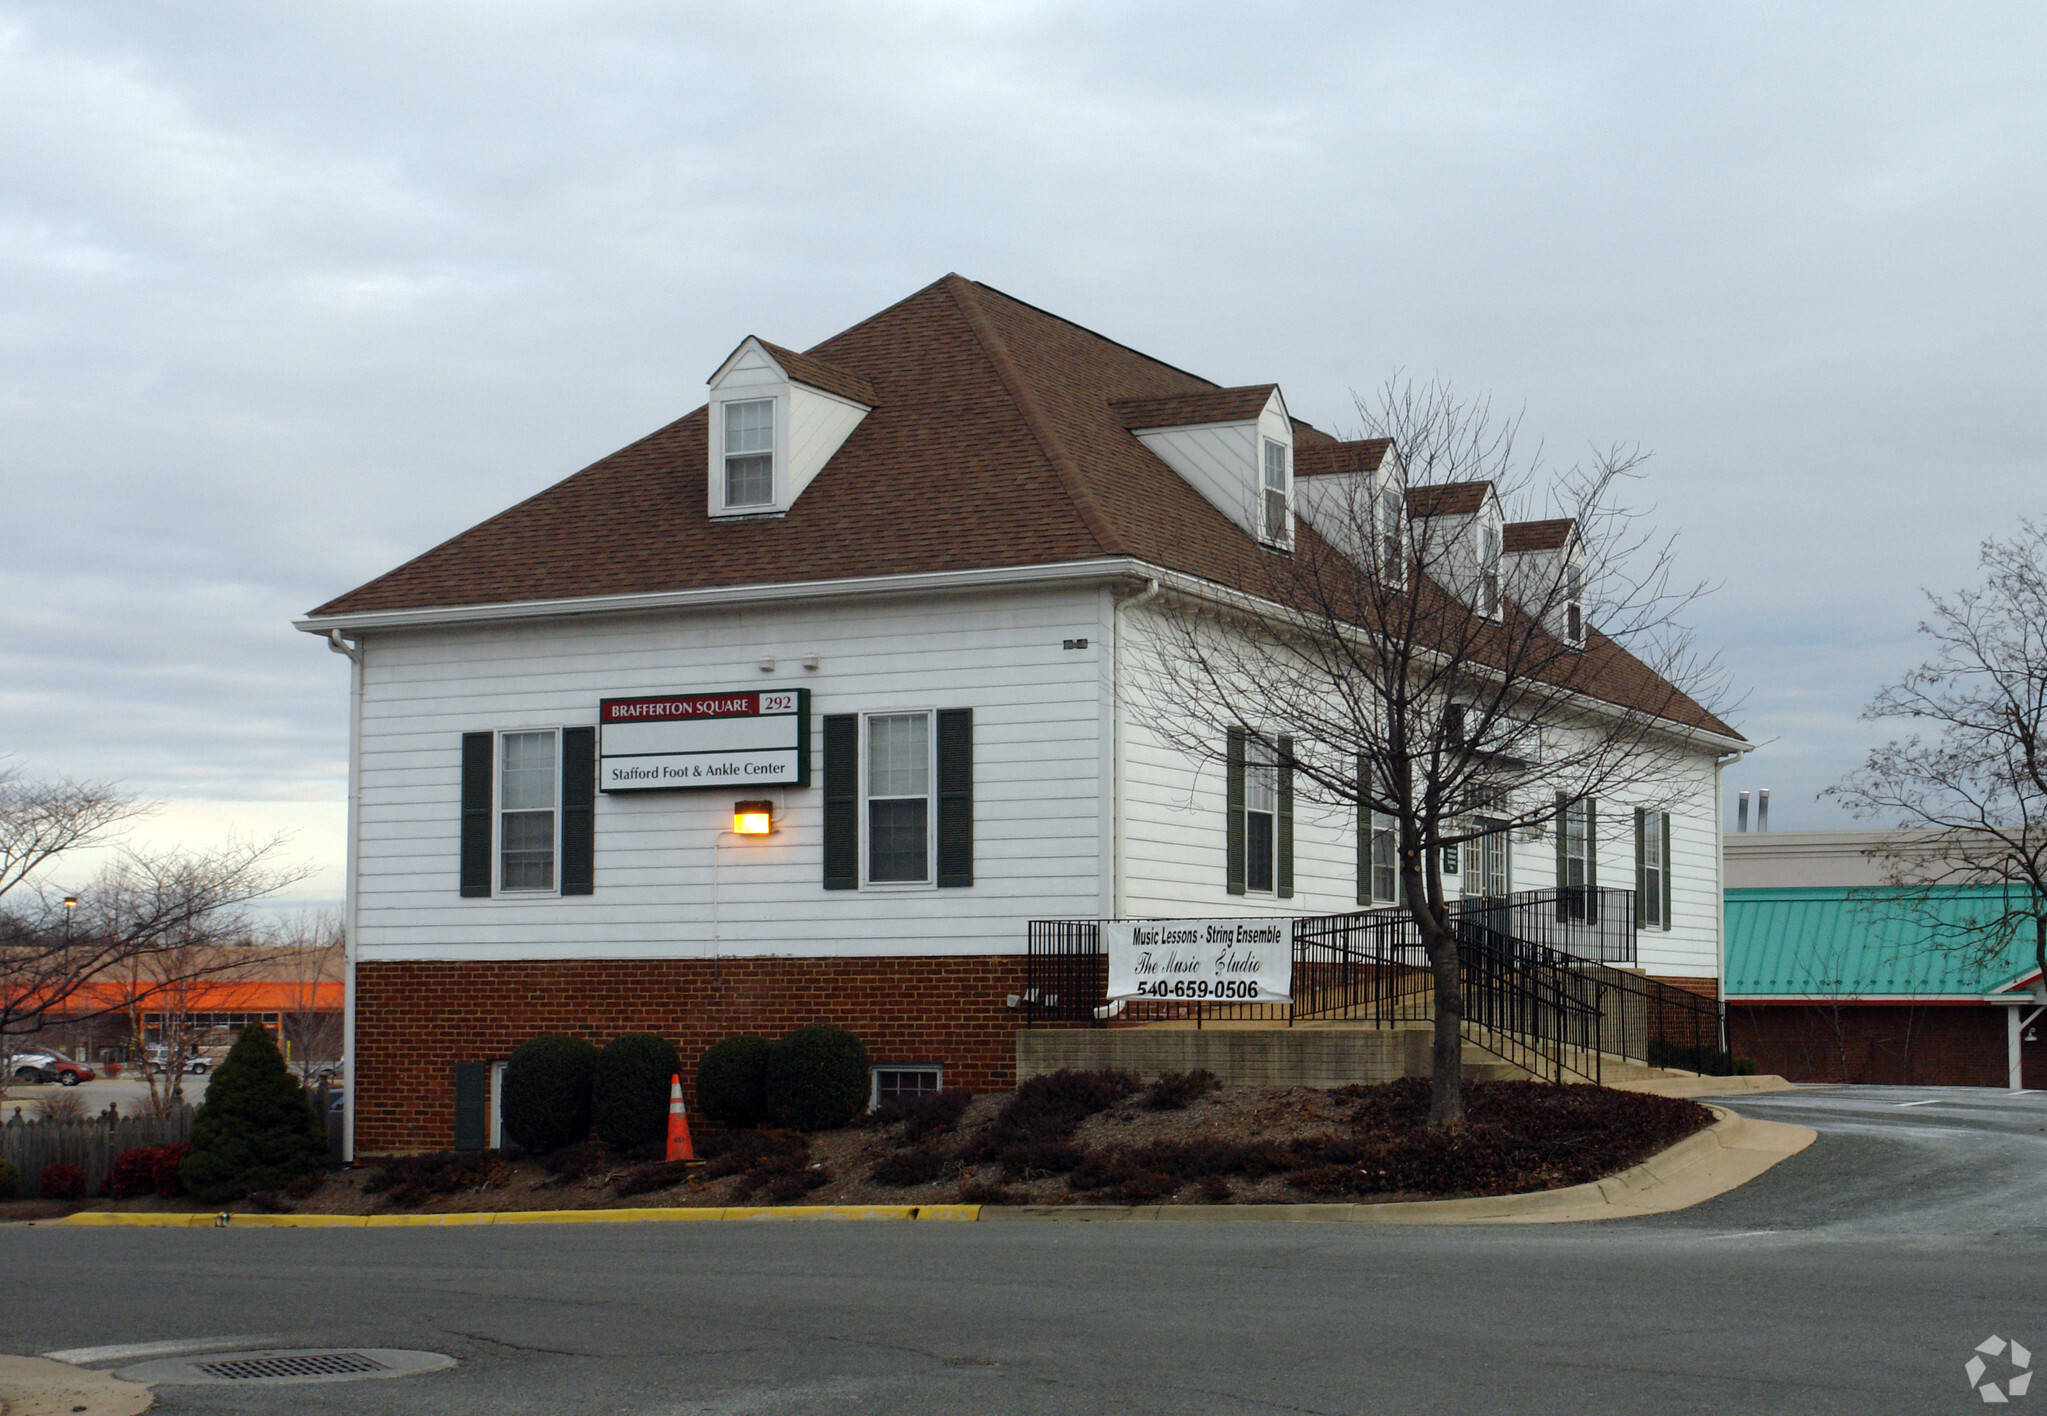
point(1141, 598)
point(1720, 896)
point(354, 654)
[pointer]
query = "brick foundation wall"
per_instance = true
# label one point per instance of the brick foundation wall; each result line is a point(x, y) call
point(415, 1021)
point(1952, 1045)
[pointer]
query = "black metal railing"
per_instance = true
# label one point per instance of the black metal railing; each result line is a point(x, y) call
point(1535, 978)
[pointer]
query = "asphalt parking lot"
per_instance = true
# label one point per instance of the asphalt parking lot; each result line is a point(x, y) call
point(1857, 1276)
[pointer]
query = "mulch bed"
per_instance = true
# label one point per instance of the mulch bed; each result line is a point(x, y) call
point(1067, 1138)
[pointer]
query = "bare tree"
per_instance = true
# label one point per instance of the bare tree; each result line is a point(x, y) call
point(305, 955)
point(1967, 783)
point(141, 913)
point(1402, 659)
point(41, 821)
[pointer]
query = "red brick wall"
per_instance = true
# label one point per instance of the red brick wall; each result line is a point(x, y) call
point(415, 1021)
point(1952, 1045)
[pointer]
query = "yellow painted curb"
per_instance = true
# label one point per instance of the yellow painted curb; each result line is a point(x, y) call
point(115, 1219)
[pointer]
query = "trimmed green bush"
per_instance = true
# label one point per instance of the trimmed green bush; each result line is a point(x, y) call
point(10, 1180)
point(817, 1079)
point(256, 1129)
point(546, 1098)
point(732, 1081)
point(629, 1098)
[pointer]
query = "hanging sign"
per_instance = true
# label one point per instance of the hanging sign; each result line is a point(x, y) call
point(1201, 960)
point(695, 741)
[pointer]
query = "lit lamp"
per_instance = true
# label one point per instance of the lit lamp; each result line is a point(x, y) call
point(753, 818)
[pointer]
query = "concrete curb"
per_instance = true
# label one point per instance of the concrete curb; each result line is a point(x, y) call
point(1705, 1086)
point(113, 1219)
point(37, 1386)
point(1731, 1152)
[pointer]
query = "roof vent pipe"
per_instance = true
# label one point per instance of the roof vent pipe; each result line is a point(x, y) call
point(1763, 809)
point(1741, 813)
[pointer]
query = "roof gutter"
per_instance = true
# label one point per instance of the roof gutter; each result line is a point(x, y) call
point(1070, 572)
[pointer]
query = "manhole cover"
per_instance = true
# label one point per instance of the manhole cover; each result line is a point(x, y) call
point(293, 1367)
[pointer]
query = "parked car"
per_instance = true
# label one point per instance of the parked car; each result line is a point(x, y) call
point(198, 1064)
point(46, 1065)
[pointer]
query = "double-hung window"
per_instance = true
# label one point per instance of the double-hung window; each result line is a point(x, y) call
point(1577, 860)
point(1652, 869)
point(750, 453)
point(1488, 569)
point(1393, 561)
point(1261, 811)
point(1574, 605)
point(1486, 872)
point(528, 800)
point(1278, 498)
point(1259, 831)
point(899, 798)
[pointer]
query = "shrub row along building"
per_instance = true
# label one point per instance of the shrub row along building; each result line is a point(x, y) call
point(800, 708)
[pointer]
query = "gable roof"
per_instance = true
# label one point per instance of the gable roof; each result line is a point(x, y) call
point(805, 369)
point(1322, 456)
point(1223, 405)
point(1868, 942)
point(998, 438)
point(1537, 535)
point(1447, 498)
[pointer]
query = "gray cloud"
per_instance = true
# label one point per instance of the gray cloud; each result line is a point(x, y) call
point(290, 295)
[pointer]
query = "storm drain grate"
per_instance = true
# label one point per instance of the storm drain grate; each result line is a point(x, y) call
point(287, 1366)
point(312, 1364)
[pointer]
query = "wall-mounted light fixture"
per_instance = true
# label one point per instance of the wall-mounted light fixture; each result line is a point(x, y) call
point(753, 818)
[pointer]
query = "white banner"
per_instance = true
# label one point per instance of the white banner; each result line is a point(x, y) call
point(1201, 960)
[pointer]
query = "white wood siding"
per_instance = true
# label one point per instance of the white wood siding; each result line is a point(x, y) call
point(819, 425)
point(1037, 743)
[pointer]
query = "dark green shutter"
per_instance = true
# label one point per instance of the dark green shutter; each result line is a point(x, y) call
point(1233, 797)
point(1591, 860)
point(472, 1106)
point(1563, 859)
point(1641, 862)
point(479, 751)
point(1283, 828)
point(579, 810)
point(842, 801)
point(1666, 868)
point(955, 797)
point(1364, 830)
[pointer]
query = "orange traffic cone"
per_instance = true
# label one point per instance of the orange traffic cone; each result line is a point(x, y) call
point(679, 1147)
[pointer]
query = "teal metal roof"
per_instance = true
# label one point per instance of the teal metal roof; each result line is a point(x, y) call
point(1826, 941)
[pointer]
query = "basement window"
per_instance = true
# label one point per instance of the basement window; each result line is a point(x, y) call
point(903, 1083)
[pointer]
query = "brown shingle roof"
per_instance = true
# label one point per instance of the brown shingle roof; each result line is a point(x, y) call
point(1537, 535)
point(805, 369)
point(993, 442)
point(1447, 498)
point(1222, 405)
point(1328, 457)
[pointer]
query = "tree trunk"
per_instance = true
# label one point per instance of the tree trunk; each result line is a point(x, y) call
point(1446, 1069)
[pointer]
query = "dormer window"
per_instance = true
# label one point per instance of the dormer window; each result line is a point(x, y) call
point(1488, 569)
point(1393, 563)
point(750, 453)
point(1574, 605)
point(1278, 494)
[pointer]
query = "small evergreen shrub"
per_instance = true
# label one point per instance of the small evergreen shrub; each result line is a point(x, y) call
point(63, 1182)
point(817, 1079)
point(629, 1099)
point(10, 1180)
point(256, 1129)
point(732, 1081)
point(1173, 1090)
point(546, 1097)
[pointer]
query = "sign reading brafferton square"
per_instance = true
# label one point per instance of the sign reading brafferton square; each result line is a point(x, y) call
point(1201, 960)
point(681, 742)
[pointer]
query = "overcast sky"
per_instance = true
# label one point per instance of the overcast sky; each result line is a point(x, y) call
point(290, 293)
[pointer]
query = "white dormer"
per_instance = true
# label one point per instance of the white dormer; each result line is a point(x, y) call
point(1235, 446)
point(776, 419)
point(1546, 575)
point(1355, 496)
point(1459, 535)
